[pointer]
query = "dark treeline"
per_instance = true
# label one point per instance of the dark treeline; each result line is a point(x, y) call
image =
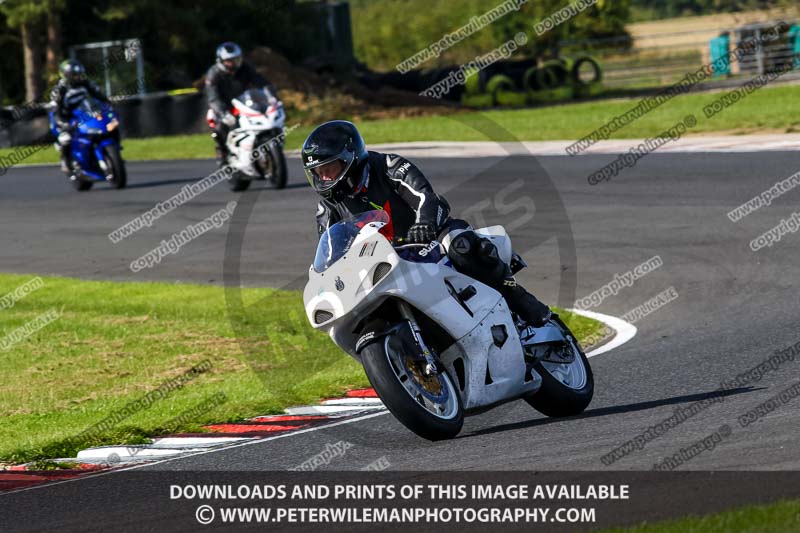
point(178, 36)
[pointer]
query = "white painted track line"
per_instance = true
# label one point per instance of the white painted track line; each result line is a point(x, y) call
point(624, 330)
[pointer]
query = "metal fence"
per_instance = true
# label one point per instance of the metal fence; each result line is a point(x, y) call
point(663, 59)
point(116, 66)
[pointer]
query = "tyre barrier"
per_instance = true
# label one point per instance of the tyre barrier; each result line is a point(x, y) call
point(553, 81)
point(498, 83)
point(552, 74)
point(575, 71)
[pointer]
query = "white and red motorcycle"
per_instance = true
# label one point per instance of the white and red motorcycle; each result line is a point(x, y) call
point(435, 343)
point(255, 145)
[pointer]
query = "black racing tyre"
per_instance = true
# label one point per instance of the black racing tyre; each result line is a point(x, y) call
point(114, 161)
point(278, 178)
point(393, 381)
point(566, 390)
point(82, 185)
point(237, 183)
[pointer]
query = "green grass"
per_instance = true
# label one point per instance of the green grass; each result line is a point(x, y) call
point(771, 109)
point(781, 517)
point(115, 342)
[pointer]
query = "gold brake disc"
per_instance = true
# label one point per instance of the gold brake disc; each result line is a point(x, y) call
point(431, 384)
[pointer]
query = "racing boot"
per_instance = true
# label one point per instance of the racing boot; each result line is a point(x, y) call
point(220, 150)
point(527, 307)
point(221, 157)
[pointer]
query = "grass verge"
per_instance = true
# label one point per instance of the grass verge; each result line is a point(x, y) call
point(780, 517)
point(113, 343)
point(771, 109)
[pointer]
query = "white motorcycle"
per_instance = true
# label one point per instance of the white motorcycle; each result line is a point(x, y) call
point(255, 146)
point(436, 344)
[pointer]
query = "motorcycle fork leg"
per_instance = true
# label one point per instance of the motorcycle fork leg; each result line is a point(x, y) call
point(416, 332)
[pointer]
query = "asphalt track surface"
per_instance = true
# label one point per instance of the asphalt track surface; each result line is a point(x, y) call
point(735, 308)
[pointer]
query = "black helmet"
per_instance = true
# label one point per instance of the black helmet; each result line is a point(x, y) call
point(229, 57)
point(329, 142)
point(72, 71)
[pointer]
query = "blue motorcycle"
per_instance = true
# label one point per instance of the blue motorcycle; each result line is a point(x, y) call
point(94, 147)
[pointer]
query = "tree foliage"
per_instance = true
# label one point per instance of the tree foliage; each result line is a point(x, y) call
point(659, 9)
point(386, 33)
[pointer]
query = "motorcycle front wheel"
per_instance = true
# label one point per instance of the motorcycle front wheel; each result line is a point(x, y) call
point(238, 183)
point(278, 177)
point(113, 160)
point(81, 185)
point(430, 406)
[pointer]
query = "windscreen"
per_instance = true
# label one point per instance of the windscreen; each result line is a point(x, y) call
point(337, 239)
point(255, 99)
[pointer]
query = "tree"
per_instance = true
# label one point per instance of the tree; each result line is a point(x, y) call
point(28, 16)
point(54, 50)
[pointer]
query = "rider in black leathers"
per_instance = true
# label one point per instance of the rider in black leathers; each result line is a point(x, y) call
point(352, 180)
point(225, 80)
point(73, 79)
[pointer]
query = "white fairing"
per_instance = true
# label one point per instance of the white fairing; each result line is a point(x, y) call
point(346, 290)
point(243, 141)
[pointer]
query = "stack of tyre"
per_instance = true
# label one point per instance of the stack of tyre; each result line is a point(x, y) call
point(523, 83)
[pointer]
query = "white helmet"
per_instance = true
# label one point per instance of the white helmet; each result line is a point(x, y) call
point(229, 57)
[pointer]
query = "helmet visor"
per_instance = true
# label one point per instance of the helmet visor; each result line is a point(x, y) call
point(324, 175)
point(232, 64)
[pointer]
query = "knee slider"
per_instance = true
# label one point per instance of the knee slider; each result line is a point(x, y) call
point(461, 249)
point(488, 251)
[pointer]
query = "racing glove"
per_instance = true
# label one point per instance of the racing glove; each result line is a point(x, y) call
point(421, 234)
point(64, 138)
point(229, 120)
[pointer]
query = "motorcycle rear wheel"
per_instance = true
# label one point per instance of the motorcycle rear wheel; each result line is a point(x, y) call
point(408, 394)
point(567, 389)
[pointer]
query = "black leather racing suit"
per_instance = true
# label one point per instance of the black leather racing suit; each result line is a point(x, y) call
point(395, 185)
point(221, 88)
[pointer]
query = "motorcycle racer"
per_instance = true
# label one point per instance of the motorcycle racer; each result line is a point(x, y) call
point(225, 80)
point(65, 97)
point(351, 180)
